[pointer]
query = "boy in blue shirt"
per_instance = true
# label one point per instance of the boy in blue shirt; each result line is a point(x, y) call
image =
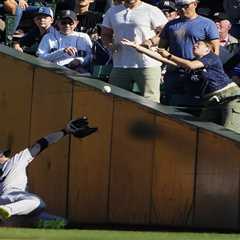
point(204, 79)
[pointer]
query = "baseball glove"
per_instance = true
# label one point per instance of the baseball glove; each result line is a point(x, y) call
point(79, 127)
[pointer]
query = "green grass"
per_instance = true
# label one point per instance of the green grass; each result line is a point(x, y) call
point(42, 234)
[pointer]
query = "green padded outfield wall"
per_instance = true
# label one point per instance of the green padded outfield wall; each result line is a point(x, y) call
point(148, 164)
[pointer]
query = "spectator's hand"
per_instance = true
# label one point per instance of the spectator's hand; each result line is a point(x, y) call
point(163, 52)
point(18, 47)
point(126, 42)
point(23, 4)
point(147, 44)
point(72, 51)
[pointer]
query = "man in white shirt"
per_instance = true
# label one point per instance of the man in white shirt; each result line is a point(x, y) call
point(136, 21)
point(14, 197)
point(67, 47)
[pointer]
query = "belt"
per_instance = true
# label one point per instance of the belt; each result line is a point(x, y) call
point(226, 94)
point(221, 91)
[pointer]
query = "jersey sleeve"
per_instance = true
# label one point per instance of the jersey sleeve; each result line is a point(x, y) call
point(22, 158)
point(211, 31)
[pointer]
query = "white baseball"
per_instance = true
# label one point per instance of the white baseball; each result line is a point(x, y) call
point(107, 89)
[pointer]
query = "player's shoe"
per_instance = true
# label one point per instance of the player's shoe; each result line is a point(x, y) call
point(4, 212)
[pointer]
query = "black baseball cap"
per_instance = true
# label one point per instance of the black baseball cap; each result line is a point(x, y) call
point(220, 16)
point(167, 6)
point(67, 14)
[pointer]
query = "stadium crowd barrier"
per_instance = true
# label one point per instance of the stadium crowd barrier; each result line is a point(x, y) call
point(148, 164)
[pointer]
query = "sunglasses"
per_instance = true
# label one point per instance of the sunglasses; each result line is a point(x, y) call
point(64, 22)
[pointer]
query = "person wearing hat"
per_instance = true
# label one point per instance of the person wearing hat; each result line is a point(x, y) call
point(179, 35)
point(65, 46)
point(205, 82)
point(169, 9)
point(14, 197)
point(229, 45)
point(224, 26)
point(43, 20)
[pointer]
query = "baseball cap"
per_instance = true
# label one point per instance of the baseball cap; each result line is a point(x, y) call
point(167, 6)
point(220, 16)
point(184, 2)
point(45, 11)
point(67, 14)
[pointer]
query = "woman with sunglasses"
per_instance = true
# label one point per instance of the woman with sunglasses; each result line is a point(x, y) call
point(203, 80)
point(65, 46)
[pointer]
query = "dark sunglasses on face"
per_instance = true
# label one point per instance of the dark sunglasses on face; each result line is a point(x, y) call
point(66, 22)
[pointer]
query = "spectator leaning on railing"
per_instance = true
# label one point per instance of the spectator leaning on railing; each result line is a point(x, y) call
point(67, 47)
point(137, 21)
point(204, 81)
point(179, 36)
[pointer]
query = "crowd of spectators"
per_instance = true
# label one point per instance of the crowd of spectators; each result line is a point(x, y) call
point(192, 54)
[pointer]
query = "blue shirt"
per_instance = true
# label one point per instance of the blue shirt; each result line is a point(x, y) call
point(208, 79)
point(182, 33)
point(214, 74)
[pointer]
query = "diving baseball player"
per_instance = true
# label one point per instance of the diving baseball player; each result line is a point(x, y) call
point(14, 197)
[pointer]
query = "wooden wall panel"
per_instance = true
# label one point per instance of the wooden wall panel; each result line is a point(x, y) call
point(173, 173)
point(131, 164)
point(51, 110)
point(15, 102)
point(217, 189)
point(90, 158)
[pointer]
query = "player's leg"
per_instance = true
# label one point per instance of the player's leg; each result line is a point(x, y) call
point(21, 204)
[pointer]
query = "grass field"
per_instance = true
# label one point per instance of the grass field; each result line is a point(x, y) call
point(42, 234)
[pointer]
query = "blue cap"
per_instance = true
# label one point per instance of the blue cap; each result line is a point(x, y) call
point(45, 11)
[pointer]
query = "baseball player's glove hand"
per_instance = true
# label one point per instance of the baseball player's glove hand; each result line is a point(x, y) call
point(79, 127)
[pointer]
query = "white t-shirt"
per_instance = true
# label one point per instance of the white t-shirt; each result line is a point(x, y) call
point(52, 45)
point(14, 177)
point(137, 24)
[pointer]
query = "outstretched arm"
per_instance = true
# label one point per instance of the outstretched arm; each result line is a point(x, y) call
point(181, 62)
point(148, 52)
point(44, 142)
point(78, 127)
